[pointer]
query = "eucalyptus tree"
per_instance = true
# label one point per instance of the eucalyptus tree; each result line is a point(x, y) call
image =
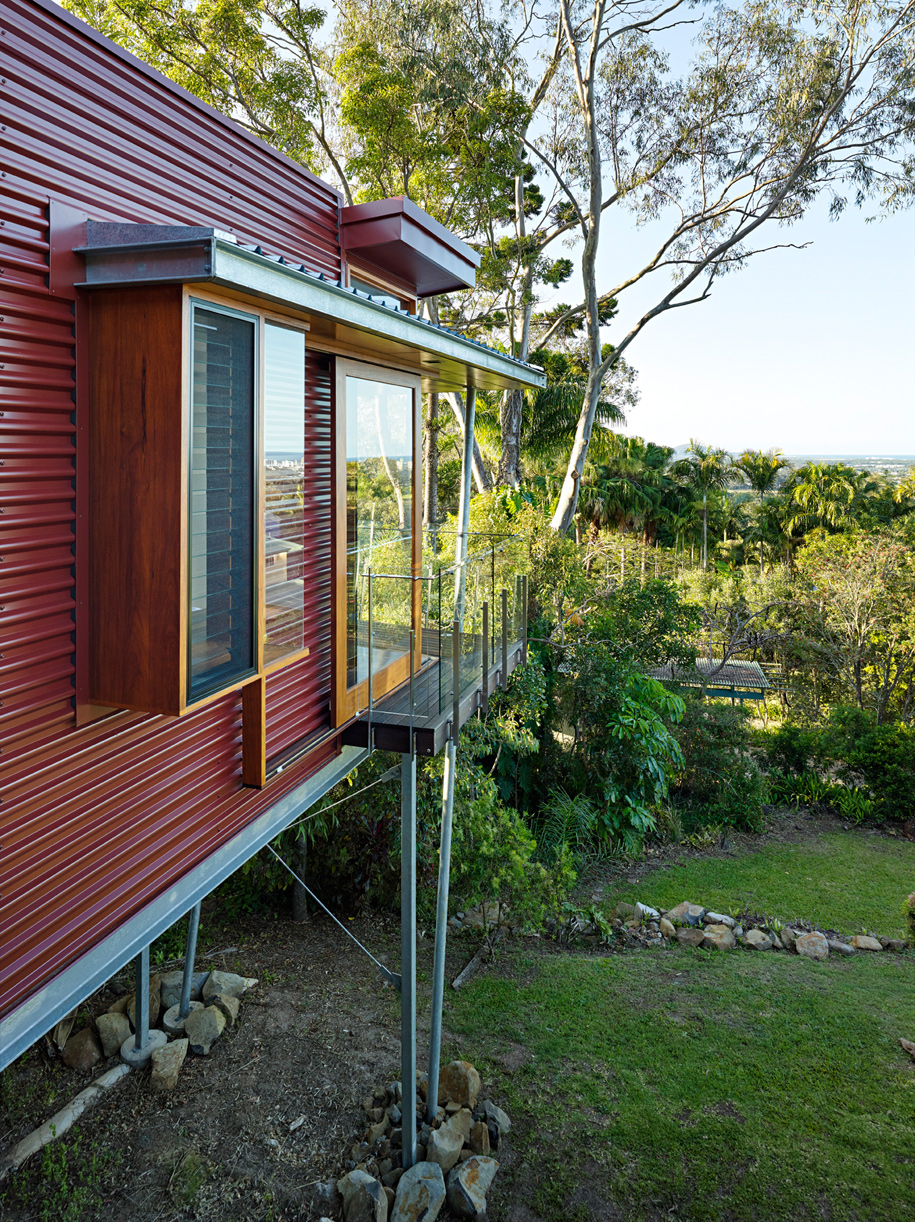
point(782, 104)
point(706, 470)
point(762, 469)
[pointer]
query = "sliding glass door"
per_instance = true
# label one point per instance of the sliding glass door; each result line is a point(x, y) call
point(378, 499)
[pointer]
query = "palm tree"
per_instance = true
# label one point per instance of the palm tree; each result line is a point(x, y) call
point(830, 495)
point(762, 469)
point(706, 470)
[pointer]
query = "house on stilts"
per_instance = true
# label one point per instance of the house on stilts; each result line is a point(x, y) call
point(215, 599)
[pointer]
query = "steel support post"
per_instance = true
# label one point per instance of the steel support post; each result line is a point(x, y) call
point(141, 998)
point(408, 954)
point(524, 618)
point(504, 638)
point(190, 951)
point(485, 699)
point(441, 929)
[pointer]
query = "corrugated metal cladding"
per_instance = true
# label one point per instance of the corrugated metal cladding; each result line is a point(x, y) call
point(298, 696)
point(98, 820)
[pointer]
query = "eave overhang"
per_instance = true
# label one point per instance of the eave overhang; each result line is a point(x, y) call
point(128, 255)
point(400, 238)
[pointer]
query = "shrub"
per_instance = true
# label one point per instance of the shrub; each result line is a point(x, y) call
point(880, 758)
point(790, 749)
point(719, 783)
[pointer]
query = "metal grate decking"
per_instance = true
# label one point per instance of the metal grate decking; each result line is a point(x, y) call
point(429, 708)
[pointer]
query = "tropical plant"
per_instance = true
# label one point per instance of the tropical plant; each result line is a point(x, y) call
point(762, 470)
point(706, 470)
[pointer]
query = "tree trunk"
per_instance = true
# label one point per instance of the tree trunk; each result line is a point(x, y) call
point(299, 895)
point(510, 422)
point(480, 474)
point(430, 464)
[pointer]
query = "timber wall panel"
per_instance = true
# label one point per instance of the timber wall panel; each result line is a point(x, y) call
point(96, 821)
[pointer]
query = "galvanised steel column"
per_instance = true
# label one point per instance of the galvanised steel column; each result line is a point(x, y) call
point(441, 928)
point(408, 954)
point(190, 951)
point(141, 999)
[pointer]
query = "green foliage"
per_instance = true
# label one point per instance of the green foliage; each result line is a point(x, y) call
point(566, 822)
point(789, 748)
point(719, 783)
point(879, 758)
point(908, 911)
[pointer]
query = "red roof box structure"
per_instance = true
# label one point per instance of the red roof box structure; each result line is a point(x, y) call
point(403, 240)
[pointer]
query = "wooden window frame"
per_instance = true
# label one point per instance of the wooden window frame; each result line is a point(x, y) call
point(348, 702)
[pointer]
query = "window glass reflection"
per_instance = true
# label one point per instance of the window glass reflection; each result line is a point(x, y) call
point(284, 473)
point(379, 481)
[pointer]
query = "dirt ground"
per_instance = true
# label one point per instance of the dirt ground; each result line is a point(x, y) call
point(257, 1129)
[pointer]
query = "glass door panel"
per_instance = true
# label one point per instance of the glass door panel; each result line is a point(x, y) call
point(379, 526)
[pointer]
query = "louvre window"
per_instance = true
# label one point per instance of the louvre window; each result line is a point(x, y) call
point(221, 639)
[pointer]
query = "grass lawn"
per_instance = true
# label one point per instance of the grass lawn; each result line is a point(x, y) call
point(689, 1086)
point(846, 881)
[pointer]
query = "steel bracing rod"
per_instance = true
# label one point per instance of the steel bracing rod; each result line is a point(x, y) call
point(385, 971)
point(190, 951)
point(408, 956)
point(141, 998)
point(441, 924)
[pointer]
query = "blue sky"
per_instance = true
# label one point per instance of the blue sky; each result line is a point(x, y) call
point(808, 350)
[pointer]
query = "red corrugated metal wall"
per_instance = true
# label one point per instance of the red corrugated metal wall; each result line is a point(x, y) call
point(96, 821)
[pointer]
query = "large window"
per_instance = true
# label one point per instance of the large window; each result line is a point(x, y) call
point(221, 642)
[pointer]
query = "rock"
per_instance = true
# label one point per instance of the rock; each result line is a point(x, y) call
point(228, 984)
point(625, 912)
point(377, 1131)
point(420, 1194)
point(757, 939)
point(812, 946)
point(113, 1030)
point(364, 1199)
point(479, 1138)
point(391, 1195)
point(459, 1081)
point(777, 943)
point(861, 941)
point(82, 1051)
point(468, 1186)
point(394, 1114)
point(690, 937)
point(228, 1004)
point(489, 1110)
point(392, 1178)
point(203, 1028)
point(718, 918)
point(686, 914)
point(841, 948)
point(120, 1006)
point(153, 1002)
point(172, 1024)
point(651, 913)
point(444, 1147)
point(718, 937)
point(166, 1065)
point(897, 944)
point(667, 929)
point(789, 937)
point(171, 987)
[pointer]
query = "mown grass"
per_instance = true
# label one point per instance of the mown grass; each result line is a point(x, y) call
point(705, 1087)
point(685, 1085)
point(848, 881)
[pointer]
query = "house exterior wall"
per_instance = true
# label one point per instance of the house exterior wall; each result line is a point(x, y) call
point(99, 817)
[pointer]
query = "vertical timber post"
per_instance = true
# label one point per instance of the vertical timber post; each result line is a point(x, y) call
point(190, 951)
point(408, 954)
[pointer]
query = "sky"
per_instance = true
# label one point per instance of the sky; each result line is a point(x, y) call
point(810, 351)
